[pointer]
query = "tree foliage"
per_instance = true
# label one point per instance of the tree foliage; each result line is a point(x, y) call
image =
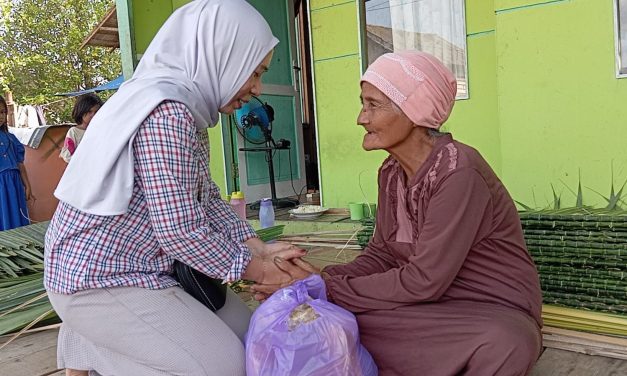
point(40, 52)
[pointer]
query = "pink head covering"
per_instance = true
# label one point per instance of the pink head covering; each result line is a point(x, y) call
point(418, 83)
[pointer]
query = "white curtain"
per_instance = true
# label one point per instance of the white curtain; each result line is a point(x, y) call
point(433, 26)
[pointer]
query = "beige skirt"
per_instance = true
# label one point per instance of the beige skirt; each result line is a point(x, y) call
point(134, 331)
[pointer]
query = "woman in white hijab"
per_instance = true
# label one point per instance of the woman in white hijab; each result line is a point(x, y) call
point(137, 196)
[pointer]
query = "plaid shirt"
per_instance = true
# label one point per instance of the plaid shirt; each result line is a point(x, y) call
point(175, 213)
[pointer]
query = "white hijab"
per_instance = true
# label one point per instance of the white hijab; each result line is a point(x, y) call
point(201, 56)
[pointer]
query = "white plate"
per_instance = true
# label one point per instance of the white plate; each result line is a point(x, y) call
point(310, 215)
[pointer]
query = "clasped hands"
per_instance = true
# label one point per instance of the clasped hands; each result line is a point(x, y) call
point(274, 266)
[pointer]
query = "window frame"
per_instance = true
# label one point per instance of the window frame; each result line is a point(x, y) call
point(363, 43)
point(621, 66)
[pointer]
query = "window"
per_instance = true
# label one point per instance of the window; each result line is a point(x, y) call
point(433, 26)
point(620, 23)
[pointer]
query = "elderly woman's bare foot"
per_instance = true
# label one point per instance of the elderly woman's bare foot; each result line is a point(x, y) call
point(75, 372)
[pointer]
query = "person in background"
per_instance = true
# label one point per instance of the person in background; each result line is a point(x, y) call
point(138, 197)
point(446, 286)
point(84, 110)
point(15, 188)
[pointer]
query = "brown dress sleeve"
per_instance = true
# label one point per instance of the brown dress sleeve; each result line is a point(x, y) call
point(454, 218)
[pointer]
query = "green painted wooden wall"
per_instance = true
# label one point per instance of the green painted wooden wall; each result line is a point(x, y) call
point(475, 120)
point(337, 69)
point(544, 100)
point(561, 108)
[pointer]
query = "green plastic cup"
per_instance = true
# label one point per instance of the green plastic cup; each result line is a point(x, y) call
point(357, 210)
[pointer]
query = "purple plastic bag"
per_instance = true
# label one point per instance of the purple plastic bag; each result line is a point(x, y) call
point(297, 332)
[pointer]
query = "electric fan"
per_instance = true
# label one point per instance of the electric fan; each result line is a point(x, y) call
point(254, 123)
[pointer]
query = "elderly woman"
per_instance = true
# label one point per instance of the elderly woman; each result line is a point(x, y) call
point(446, 286)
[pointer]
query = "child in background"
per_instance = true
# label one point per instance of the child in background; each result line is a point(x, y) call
point(84, 110)
point(14, 185)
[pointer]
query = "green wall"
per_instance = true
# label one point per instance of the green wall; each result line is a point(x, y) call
point(148, 16)
point(216, 158)
point(474, 121)
point(561, 108)
point(337, 69)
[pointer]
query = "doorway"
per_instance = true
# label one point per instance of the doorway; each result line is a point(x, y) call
point(287, 87)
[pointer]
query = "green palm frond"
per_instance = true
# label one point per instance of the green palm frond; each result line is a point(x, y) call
point(21, 250)
point(579, 194)
point(28, 319)
point(614, 198)
point(556, 199)
point(526, 207)
point(22, 300)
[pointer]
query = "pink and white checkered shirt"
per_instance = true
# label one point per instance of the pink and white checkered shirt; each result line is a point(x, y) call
point(175, 213)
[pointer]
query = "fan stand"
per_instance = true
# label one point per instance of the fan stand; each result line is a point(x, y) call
point(278, 203)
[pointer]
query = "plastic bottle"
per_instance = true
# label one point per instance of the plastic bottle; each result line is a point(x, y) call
point(238, 204)
point(266, 213)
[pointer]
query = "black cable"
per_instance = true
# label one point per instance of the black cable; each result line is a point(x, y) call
point(380, 7)
point(278, 168)
point(301, 191)
point(373, 5)
point(234, 176)
point(289, 154)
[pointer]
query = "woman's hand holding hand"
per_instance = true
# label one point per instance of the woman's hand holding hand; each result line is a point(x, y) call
point(262, 269)
point(268, 250)
point(282, 249)
point(295, 268)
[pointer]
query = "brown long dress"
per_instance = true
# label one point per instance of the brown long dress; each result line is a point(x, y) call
point(446, 286)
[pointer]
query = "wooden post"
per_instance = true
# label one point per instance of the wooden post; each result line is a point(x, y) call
point(126, 35)
point(8, 96)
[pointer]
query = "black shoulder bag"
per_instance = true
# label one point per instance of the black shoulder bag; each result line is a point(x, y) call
point(209, 291)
